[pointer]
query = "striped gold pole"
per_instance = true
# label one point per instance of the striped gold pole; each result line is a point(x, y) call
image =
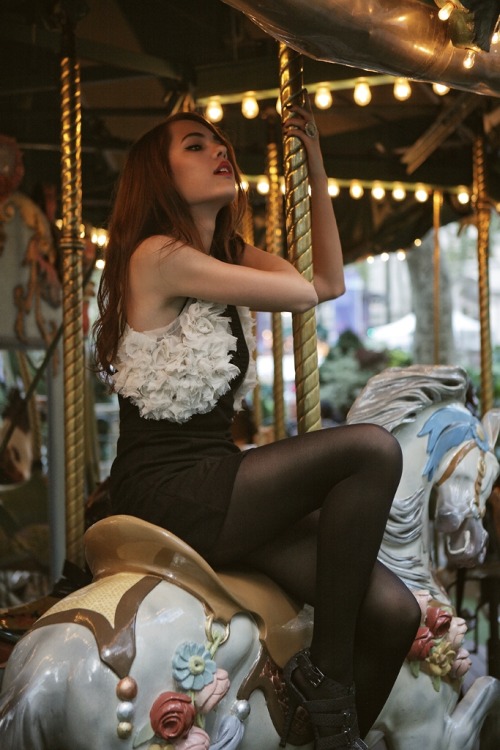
point(72, 253)
point(437, 202)
point(274, 244)
point(298, 228)
point(483, 216)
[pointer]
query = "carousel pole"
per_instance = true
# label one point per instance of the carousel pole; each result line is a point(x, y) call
point(483, 216)
point(274, 244)
point(437, 202)
point(72, 253)
point(298, 228)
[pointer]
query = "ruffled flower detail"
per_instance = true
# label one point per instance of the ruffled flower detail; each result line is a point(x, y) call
point(184, 369)
point(197, 739)
point(438, 621)
point(193, 667)
point(461, 665)
point(208, 697)
point(172, 715)
point(421, 645)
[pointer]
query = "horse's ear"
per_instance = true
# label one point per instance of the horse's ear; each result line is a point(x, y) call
point(491, 424)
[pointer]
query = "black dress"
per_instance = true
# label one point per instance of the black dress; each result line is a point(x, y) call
point(180, 475)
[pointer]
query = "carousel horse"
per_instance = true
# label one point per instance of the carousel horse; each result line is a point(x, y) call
point(449, 469)
point(161, 651)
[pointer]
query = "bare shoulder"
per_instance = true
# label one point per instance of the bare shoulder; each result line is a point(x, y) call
point(153, 248)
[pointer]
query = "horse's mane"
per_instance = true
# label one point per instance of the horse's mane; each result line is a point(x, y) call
point(398, 394)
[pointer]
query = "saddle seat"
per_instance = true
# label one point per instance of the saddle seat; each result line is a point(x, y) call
point(123, 543)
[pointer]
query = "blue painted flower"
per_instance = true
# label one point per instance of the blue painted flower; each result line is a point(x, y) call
point(193, 666)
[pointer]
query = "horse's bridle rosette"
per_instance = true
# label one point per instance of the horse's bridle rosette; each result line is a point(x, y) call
point(172, 715)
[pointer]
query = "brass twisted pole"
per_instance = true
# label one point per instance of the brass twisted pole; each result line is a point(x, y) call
point(483, 215)
point(298, 227)
point(437, 202)
point(72, 252)
point(274, 244)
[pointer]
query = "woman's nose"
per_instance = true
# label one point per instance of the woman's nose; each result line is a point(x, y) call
point(221, 151)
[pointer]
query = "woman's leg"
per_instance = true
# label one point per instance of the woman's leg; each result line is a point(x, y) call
point(364, 616)
point(349, 474)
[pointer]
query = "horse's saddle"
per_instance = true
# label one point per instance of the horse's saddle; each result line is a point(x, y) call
point(119, 544)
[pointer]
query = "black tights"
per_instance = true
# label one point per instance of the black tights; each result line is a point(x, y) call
point(310, 512)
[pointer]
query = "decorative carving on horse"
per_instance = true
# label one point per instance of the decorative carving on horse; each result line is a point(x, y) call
point(28, 261)
point(160, 650)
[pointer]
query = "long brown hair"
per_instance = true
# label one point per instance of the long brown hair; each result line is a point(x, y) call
point(148, 203)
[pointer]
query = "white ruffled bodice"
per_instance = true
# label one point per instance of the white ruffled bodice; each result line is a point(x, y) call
point(183, 369)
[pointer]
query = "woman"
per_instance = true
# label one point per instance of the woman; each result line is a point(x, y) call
point(309, 511)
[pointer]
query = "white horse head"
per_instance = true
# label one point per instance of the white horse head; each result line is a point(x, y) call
point(447, 450)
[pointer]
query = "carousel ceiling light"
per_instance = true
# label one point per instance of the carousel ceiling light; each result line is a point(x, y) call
point(213, 111)
point(398, 191)
point(323, 97)
point(356, 190)
point(400, 255)
point(370, 259)
point(440, 89)
point(362, 93)
point(384, 257)
point(244, 184)
point(333, 188)
point(446, 10)
point(421, 192)
point(263, 185)
point(378, 191)
point(402, 89)
point(469, 59)
point(463, 195)
point(249, 105)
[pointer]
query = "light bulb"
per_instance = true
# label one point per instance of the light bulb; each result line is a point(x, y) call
point(356, 189)
point(402, 89)
point(100, 263)
point(446, 11)
point(214, 111)
point(463, 195)
point(398, 192)
point(400, 255)
point(263, 185)
point(323, 97)
point(370, 259)
point(417, 242)
point(421, 193)
point(469, 59)
point(384, 257)
point(362, 93)
point(244, 184)
point(333, 188)
point(378, 191)
point(249, 105)
point(440, 89)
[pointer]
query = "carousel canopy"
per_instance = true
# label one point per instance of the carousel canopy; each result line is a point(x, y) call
point(141, 61)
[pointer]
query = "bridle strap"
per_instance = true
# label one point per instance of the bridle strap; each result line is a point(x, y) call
point(459, 456)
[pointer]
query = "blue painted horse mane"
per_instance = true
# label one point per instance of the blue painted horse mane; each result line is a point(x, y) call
point(448, 428)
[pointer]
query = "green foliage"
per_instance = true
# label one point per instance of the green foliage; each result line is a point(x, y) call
point(348, 367)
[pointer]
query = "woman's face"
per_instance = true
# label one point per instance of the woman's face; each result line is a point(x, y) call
point(201, 171)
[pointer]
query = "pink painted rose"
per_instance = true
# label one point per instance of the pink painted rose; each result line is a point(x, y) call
point(457, 631)
point(212, 693)
point(461, 665)
point(172, 715)
point(423, 598)
point(197, 739)
point(422, 645)
point(438, 621)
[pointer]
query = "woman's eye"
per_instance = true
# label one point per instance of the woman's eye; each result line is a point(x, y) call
point(194, 147)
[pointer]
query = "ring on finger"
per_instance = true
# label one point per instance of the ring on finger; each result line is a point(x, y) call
point(310, 129)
